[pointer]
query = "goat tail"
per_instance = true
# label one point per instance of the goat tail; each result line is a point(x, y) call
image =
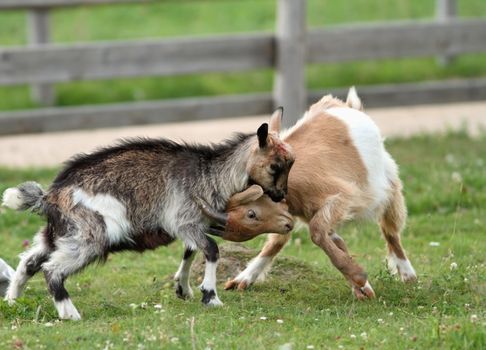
point(353, 100)
point(28, 195)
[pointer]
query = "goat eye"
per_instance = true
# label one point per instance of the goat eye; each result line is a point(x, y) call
point(274, 167)
point(251, 214)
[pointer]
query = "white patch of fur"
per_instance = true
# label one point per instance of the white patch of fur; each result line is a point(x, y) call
point(209, 282)
point(66, 310)
point(255, 268)
point(353, 100)
point(112, 210)
point(402, 266)
point(12, 198)
point(172, 215)
point(368, 141)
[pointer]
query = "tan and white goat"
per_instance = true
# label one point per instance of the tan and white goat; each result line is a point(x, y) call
point(342, 172)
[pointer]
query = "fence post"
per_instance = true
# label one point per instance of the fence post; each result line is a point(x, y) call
point(444, 11)
point(290, 89)
point(38, 34)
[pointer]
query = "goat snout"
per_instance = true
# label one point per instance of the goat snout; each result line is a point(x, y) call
point(289, 226)
point(276, 195)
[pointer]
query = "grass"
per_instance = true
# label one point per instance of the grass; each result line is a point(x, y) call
point(445, 189)
point(180, 18)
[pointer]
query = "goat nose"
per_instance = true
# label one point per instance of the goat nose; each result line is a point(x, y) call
point(289, 227)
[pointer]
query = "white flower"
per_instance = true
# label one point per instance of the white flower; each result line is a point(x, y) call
point(453, 266)
point(364, 335)
point(280, 321)
point(352, 336)
point(456, 177)
point(174, 339)
point(434, 244)
point(310, 346)
point(263, 318)
point(133, 306)
point(48, 324)
point(380, 320)
point(286, 346)
point(474, 318)
point(143, 305)
point(390, 314)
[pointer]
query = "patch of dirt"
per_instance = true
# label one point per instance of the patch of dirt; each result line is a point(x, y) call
point(235, 256)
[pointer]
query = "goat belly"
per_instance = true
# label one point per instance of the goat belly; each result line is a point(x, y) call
point(146, 240)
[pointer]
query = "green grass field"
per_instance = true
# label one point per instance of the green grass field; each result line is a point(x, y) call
point(445, 187)
point(182, 18)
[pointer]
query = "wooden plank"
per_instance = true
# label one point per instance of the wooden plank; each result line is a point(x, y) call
point(396, 40)
point(289, 87)
point(39, 33)
point(137, 113)
point(455, 90)
point(445, 10)
point(30, 4)
point(58, 63)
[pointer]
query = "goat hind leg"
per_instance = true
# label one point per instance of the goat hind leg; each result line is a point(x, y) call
point(391, 224)
point(30, 263)
point(63, 262)
point(258, 265)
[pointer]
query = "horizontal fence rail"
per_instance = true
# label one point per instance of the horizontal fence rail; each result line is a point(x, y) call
point(203, 108)
point(136, 113)
point(60, 63)
point(396, 40)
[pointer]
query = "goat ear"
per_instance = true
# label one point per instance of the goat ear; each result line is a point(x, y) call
point(262, 134)
point(276, 120)
point(251, 194)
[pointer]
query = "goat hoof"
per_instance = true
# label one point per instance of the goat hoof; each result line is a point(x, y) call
point(236, 284)
point(10, 301)
point(183, 293)
point(232, 284)
point(408, 278)
point(210, 298)
point(365, 292)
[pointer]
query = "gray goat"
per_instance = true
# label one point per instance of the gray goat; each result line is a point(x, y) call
point(138, 195)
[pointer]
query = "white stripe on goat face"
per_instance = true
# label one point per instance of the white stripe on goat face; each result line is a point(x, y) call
point(112, 211)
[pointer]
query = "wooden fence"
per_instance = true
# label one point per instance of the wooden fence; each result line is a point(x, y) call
point(287, 50)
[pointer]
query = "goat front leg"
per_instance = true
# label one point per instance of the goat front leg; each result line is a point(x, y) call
point(183, 287)
point(208, 285)
point(323, 236)
point(257, 266)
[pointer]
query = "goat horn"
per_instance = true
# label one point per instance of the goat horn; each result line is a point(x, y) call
point(210, 212)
